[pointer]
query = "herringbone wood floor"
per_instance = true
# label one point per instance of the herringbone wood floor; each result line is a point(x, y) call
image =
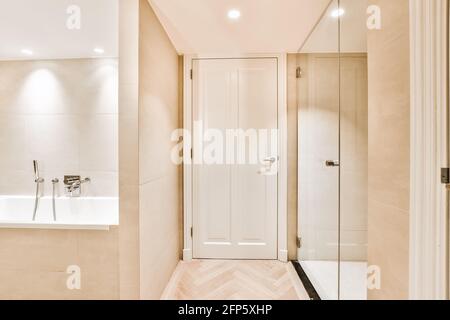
point(234, 280)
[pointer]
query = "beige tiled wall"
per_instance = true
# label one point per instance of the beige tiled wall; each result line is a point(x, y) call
point(33, 264)
point(150, 185)
point(129, 148)
point(63, 113)
point(160, 196)
point(389, 138)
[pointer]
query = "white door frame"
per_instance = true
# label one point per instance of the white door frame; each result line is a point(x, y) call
point(429, 241)
point(282, 126)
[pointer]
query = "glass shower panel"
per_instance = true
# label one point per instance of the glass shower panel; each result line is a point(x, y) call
point(318, 167)
point(353, 150)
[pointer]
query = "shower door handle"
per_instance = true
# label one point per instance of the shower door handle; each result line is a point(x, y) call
point(331, 163)
point(268, 164)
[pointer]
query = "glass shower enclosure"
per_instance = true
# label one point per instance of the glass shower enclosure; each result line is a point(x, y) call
point(332, 168)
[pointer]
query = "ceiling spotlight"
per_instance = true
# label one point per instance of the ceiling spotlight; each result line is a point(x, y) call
point(99, 50)
point(234, 14)
point(338, 13)
point(27, 52)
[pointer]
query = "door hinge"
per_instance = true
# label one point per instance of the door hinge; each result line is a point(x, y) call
point(192, 74)
point(445, 175)
point(299, 242)
point(192, 153)
point(192, 232)
point(298, 73)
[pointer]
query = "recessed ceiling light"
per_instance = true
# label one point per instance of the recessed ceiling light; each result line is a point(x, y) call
point(234, 14)
point(338, 13)
point(99, 50)
point(27, 52)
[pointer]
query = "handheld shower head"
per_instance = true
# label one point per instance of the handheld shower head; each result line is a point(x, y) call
point(37, 177)
point(36, 169)
point(38, 180)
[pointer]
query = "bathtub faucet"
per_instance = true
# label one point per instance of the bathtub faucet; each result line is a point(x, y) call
point(73, 185)
point(77, 184)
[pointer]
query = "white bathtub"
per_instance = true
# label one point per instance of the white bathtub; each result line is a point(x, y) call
point(71, 213)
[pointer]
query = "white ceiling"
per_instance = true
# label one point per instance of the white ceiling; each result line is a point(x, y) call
point(202, 26)
point(40, 25)
point(194, 26)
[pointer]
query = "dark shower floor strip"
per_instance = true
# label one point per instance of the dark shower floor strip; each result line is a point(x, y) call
point(312, 293)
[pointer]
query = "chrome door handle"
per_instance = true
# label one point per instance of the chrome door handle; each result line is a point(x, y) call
point(272, 160)
point(268, 165)
point(331, 163)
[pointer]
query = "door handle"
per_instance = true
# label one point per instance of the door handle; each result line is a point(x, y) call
point(332, 163)
point(272, 160)
point(268, 165)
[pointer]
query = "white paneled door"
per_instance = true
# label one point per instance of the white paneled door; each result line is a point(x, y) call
point(235, 103)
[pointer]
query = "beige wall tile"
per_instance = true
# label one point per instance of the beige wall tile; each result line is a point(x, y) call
point(129, 148)
point(159, 230)
point(98, 143)
point(62, 113)
point(76, 86)
point(389, 138)
point(129, 242)
point(32, 285)
point(158, 99)
point(160, 179)
point(33, 264)
point(14, 150)
point(54, 141)
point(389, 249)
point(106, 184)
point(129, 43)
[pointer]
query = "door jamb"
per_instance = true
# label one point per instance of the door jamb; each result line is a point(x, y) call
point(429, 239)
point(282, 145)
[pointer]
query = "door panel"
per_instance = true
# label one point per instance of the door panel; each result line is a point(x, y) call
point(318, 184)
point(235, 204)
point(214, 105)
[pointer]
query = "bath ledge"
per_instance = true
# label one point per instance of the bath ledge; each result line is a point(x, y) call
point(71, 213)
point(54, 226)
